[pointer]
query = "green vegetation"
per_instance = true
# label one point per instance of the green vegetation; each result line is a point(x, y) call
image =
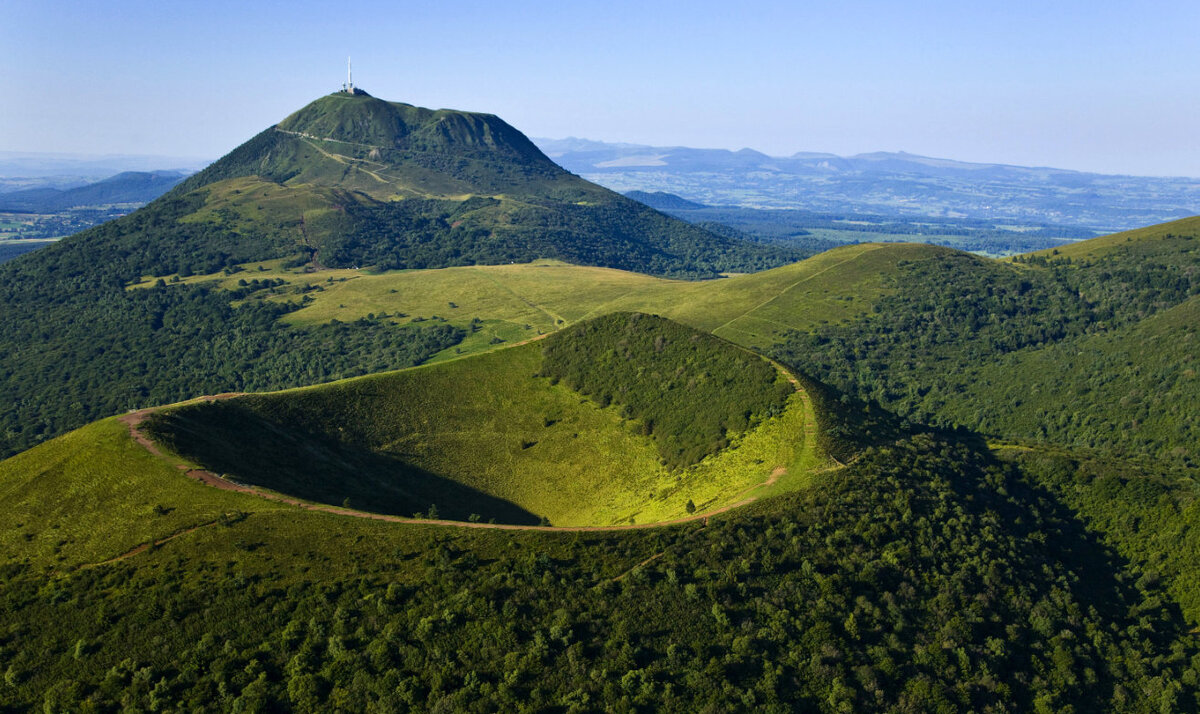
point(516, 301)
point(466, 188)
point(1147, 517)
point(688, 390)
point(364, 182)
point(129, 349)
point(926, 577)
point(1092, 350)
point(1157, 242)
point(10, 249)
point(93, 494)
point(1132, 391)
point(842, 556)
point(191, 340)
point(486, 436)
point(1001, 348)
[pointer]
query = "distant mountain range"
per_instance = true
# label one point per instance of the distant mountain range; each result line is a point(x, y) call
point(83, 168)
point(883, 183)
point(127, 187)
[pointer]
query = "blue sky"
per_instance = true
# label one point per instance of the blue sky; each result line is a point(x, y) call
point(1100, 86)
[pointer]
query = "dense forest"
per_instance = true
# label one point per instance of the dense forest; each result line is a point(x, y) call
point(1149, 515)
point(436, 234)
point(1000, 348)
point(78, 345)
point(926, 578)
point(690, 391)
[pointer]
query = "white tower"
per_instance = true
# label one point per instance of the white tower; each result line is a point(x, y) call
point(349, 85)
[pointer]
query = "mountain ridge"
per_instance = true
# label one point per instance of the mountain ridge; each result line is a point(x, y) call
point(886, 183)
point(125, 187)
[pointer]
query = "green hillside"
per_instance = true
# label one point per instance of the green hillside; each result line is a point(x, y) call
point(691, 392)
point(171, 340)
point(514, 302)
point(357, 181)
point(1160, 240)
point(434, 189)
point(1094, 353)
point(1080, 365)
point(1132, 390)
point(924, 577)
point(487, 437)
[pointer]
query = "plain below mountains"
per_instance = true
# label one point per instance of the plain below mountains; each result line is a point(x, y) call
point(885, 183)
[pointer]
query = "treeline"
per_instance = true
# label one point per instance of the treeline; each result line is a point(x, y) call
point(689, 390)
point(618, 233)
point(68, 363)
point(962, 341)
point(926, 578)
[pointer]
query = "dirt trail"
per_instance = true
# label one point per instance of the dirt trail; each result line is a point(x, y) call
point(642, 564)
point(135, 419)
point(146, 546)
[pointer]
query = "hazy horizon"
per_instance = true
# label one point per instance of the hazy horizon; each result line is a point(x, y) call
point(1096, 87)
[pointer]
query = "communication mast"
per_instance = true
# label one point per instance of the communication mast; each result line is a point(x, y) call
point(348, 87)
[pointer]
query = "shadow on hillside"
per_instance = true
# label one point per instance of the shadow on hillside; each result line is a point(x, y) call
point(226, 438)
point(1100, 578)
point(1049, 529)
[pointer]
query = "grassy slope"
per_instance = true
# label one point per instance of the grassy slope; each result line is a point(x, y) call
point(1138, 385)
point(94, 494)
point(851, 593)
point(91, 494)
point(487, 424)
point(1145, 240)
point(520, 301)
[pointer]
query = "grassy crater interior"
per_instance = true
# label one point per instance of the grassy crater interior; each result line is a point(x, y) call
point(627, 418)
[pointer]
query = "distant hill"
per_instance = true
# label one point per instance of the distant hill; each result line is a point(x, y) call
point(663, 201)
point(351, 180)
point(32, 169)
point(885, 183)
point(126, 187)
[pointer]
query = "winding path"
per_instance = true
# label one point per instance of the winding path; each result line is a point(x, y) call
point(135, 419)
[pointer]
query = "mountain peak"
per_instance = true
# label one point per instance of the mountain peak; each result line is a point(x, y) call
point(361, 119)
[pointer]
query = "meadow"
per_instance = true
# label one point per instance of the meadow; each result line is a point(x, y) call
point(507, 303)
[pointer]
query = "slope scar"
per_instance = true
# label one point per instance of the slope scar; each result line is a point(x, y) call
point(789, 288)
point(554, 319)
point(349, 161)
